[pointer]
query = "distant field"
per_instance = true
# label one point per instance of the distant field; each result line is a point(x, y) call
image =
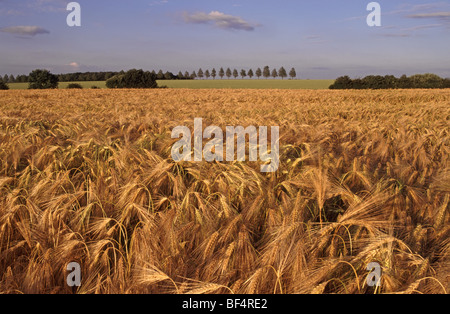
point(220, 84)
point(249, 84)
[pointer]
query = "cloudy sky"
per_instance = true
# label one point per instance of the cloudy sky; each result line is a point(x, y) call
point(321, 39)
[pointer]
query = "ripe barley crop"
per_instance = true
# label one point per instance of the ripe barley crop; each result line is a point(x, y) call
point(87, 177)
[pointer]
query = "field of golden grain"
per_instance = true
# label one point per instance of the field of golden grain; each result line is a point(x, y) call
point(87, 176)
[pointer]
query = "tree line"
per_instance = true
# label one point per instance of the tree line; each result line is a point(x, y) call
point(427, 80)
point(43, 79)
point(221, 73)
point(68, 77)
point(266, 72)
point(161, 75)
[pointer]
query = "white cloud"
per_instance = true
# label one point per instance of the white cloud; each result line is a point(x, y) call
point(442, 15)
point(219, 19)
point(24, 30)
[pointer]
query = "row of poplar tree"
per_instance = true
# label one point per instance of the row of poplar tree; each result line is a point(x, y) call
point(266, 72)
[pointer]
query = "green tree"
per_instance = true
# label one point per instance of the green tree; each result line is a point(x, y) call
point(235, 73)
point(22, 79)
point(228, 73)
point(282, 73)
point(266, 72)
point(404, 82)
point(243, 73)
point(250, 73)
point(258, 73)
point(221, 73)
point(213, 73)
point(274, 73)
point(187, 75)
point(200, 73)
point(6, 78)
point(180, 75)
point(427, 80)
point(293, 73)
point(207, 74)
point(169, 76)
point(74, 86)
point(3, 85)
point(390, 81)
point(133, 79)
point(193, 75)
point(42, 79)
point(359, 84)
point(11, 79)
point(446, 83)
point(160, 75)
point(342, 82)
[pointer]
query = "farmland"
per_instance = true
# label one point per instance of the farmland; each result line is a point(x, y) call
point(248, 84)
point(215, 84)
point(86, 176)
point(62, 85)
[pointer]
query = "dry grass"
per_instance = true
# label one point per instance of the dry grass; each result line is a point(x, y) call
point(86, 176)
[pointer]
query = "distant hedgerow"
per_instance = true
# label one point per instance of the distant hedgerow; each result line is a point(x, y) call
point(74, 86)
point(3, 85)
point(133, 79)
point(391, 82)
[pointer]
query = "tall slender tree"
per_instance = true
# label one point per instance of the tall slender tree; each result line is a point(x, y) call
point(207, 74)
point(221, 73)
point(274, 73)
point(243, 73)
point(250, 73)
point(228, 73)
point(193, 75)
point(266, 72)
point(258, 73)
point(235, 73)
point(282, 73)
point(200, 73)
point(293, 73)
point(213, 73)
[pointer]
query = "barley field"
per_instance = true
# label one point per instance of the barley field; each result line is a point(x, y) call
point(86, 176)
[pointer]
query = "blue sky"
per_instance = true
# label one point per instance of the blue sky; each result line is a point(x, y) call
point(321, 39)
